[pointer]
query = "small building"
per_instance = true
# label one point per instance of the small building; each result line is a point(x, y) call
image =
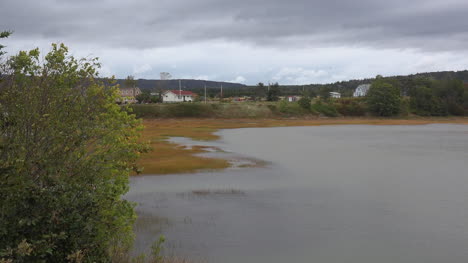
point(293, 98)
point(128, 95)
point(178, 96)
point(361, 90)
point(335, 95)
point(240, 99)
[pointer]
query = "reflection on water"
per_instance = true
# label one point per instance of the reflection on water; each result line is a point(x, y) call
point(328, 194)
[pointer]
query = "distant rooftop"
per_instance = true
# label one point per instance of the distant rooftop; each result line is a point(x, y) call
point(182, 92)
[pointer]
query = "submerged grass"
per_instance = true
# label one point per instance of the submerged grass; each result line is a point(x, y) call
point(171, 158)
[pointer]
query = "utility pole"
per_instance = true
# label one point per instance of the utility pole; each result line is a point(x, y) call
point(205, 93)
point(134, 91)
point(180, 90)
point(221, 90)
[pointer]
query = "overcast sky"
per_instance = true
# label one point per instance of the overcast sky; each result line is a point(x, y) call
point(248, 41)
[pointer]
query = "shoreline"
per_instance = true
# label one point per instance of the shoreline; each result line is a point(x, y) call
point(171, 158)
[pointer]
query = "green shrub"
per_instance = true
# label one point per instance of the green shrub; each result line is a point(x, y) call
point(216, 106)
point(291, 108)
point(324, 108)
point(304, 102)
point(351, 106)
point(405, 108)
point(455, 109)
point(424, 102)
point(383, 99)
point(145, 110)
point(273, 108)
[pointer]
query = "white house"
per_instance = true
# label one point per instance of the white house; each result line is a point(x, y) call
point(178, 96)
point(335, 95)
point(361, 90)
point(293, 98)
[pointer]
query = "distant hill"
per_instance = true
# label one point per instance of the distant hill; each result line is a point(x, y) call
point(346, 88)
point(187, 84)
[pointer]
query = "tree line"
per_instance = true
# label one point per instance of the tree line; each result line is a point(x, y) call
point(389, 97)
point(421, 96)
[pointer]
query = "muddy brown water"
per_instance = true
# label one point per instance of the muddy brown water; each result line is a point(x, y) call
point(327, 194)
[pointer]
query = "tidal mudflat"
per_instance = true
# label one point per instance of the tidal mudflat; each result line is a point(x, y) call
point(357, 193)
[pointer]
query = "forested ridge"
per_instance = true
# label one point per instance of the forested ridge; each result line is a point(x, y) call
point(346, 88)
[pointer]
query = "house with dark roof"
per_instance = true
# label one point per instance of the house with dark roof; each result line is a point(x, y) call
point(128, 95)
point(178, 96)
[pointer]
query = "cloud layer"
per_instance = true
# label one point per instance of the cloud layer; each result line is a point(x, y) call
point(216, 34)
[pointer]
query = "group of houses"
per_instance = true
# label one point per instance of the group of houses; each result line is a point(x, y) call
point(129, 95)
point(360, 91)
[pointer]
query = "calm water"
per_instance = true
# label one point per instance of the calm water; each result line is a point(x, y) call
point(329, 194)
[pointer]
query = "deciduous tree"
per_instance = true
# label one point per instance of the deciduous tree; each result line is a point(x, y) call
point(273, 92)
point(383, 98)
point(66, 151)
point(3, 34)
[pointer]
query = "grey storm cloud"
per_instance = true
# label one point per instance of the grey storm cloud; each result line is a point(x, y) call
point(423, 24)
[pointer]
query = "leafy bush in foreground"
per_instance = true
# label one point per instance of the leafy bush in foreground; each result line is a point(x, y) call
point(66, 150)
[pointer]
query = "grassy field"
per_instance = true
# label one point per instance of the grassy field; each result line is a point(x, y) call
point(170, 158)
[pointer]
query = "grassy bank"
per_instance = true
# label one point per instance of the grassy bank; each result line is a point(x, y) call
point(210, 110)
point(170, 158)
point(251, 110)
point(344, 107)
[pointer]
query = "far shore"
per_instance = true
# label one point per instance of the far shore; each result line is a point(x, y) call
point(170, 158)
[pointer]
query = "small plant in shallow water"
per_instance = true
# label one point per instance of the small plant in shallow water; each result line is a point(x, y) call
point(156, 250)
